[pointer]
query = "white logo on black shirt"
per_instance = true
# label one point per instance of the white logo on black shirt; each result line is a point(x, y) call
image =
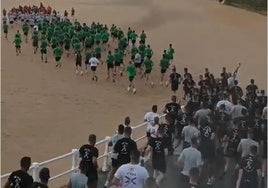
point(249, 165)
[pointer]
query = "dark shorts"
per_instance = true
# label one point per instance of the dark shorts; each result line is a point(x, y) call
point(148, 71)
point(88, 46)
point(97, 42)
point(5, 31)
point(131, 78)
point(117, 64)
point(35, 44)
point(98, 56)
point(77, 63)
point(92, 179)
point(11, 22)
point(43, 51)
point(159, 165)
point(174, 87)
point(207, 151)
point(110, 66)
point(137, 65)
point(163, 70)
point(17, 46)
point(25, 33)
point(133, 41)
point(57, 58)
point(93, 68)
point(67, 47)
point(115, 163)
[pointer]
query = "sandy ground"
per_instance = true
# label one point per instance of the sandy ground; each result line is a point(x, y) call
point(46, 112)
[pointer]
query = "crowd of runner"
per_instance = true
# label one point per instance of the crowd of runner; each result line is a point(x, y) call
point(218, 120)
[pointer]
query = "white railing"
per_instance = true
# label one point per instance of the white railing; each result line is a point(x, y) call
point(34, 169)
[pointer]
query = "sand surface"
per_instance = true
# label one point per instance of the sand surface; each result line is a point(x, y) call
point(46, 112)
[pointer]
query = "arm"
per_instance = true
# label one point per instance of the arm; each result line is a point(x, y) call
point(7, 184)
point(236, 70)
point(116, 182)
point(95, 161)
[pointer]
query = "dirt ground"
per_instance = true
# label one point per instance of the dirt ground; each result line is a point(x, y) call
point(47, 111)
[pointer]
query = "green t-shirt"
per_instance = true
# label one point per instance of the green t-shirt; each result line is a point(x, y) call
point(142, 48)
point(110, 59)
point(58, 51)
point(117, 56)
point(134, 50)
point(131, 70)
point(54, 40)
point(77, 47)
point(89, 41)
point(67, 41)
point(105, 37)
point(97, 49)
point(17, 41)
point(75, 40)
point(121, 55)
point(170, 53)
point(98, 37)
point(148, 52)
point(35, 38)
point(5, 27)
point(43, 45)
point(148, 64)
point(88, 55)
point(133, 36)
point(143, 36)
point(164, 63)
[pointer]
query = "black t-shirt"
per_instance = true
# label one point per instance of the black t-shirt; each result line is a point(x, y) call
point(39, 185)
point(250, 164)
point(234, 139)
point(172, 109)
point(206, 134)
point(158, 146)
point(87, 152)
point(175, 79)
point(123, 147)
point(20, 179)
point(251, 89)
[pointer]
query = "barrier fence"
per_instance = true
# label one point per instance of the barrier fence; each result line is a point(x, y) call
point(74, 154)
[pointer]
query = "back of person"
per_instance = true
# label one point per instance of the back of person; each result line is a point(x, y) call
point(245, 145)
point(21, 179)
point(189, 132)
point(79, 180)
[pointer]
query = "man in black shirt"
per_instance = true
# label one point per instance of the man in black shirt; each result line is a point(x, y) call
point(251, 90)
point(123, 147)
point(89, 153)
point(175, 80)
point(249, 170)
point(44, 177)
point(20, 178)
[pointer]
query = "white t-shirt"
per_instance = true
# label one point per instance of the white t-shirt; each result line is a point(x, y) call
point(228, 105)
point(79, 180)
point(264, 113)
point(230, 81)
point(132, 176)
point(191, 158)
point(152, 129)
point(236, 111)
point(202, 114)
point(93, 62)
point(189, 132)
point(245, 145)
point(137, 58)
point(149, 118)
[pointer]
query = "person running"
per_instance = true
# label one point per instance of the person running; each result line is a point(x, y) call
point(78, 63)
point(43, 49)
point(148, 52)
point(94, 62)
point(44, 176)
point(72, 12)
point(88, 56)
point(20, 178)
point(148, 65)
point(175, 79)
point(17, 41)
point(67, 44)
point(5, 28)
point(164, 65)
point(25, 29)
point(170, 53)
point(143, 37)
point(57, 52)
point(110, 65)
point(132, 174)
point(138, 63)
point(131, 74)
point(89, 154)
point(35, 39)
point(133, 37)
point(158, 149)
point(249, 175)
point(98, 52)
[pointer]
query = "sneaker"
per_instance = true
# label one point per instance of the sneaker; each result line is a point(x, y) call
point(96, 78)
point(81, 73)
point(128, 89)
point(76, 71)
point(134, 90)
point(210, 181)
point(121, 73)
point(152, 84)
point(167, 83)
point(161, 83)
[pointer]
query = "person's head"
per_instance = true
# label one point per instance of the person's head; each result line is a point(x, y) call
point(156, 120)
point(235, 82)
point(25, 163)
point(185, 70)
point(170, 45)
point(223, 69)
point(92, 139)
point(18, 31)
point(120, 129)
point(253, 150)
point(127, 131)
point(44, 175)
point(201, 77)
point(250, 133)
point(154, 108)
point(174, 98)
point(135, 156)
point(194, 174)
point(109, 52)
point(127, 120)
point(173, 69)
point(206, 70)
point(83, 167)
point(252, 81)
point(193, 141)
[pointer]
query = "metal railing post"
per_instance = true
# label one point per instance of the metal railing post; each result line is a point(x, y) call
point(106, 158)
point(35, 166)
point(74, 159)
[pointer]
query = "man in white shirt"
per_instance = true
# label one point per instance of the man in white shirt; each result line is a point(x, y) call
point(190, 158)
point(149, 116)
point(236, 110)
point(202, 114)
point(131, 175)
point(188, 132)
point(246, 143)
point(94, 62)
point(138, 62)
point(228, 105)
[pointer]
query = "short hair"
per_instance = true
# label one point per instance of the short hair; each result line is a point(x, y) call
point(252, 81)
point(253, 149)
point(193, 140)
point(154, 108)
point(120, 129)
point(92, 138)
point(25, 162)
point(251, 133)
point(127, 119)
point(135, 155)
point(44, 174)
point(128, 130)
point(174, 98)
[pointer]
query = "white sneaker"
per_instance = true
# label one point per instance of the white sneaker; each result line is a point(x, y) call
point(76, 72)
point(128, 89)
point(152, 84)
point(134, 90)
point(166, 83)
point(81, 73)
point(161, 83)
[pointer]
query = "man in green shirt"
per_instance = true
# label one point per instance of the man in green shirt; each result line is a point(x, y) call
point(164, 64)
point(35, 42)
point(5, 28)
point(17, 41)
point(148, 52)
point(131, 74)
point(67, 44)
point(133, 37)
point(170, 53)
point(143, 37)
point(88, 56)
point(97, 38)
point(148, 65)
point(133, 52)
point(105, 38)
point(98, 52)
point(110, 65)
point(57, 54)
point(25, 29)
point(43, 49)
